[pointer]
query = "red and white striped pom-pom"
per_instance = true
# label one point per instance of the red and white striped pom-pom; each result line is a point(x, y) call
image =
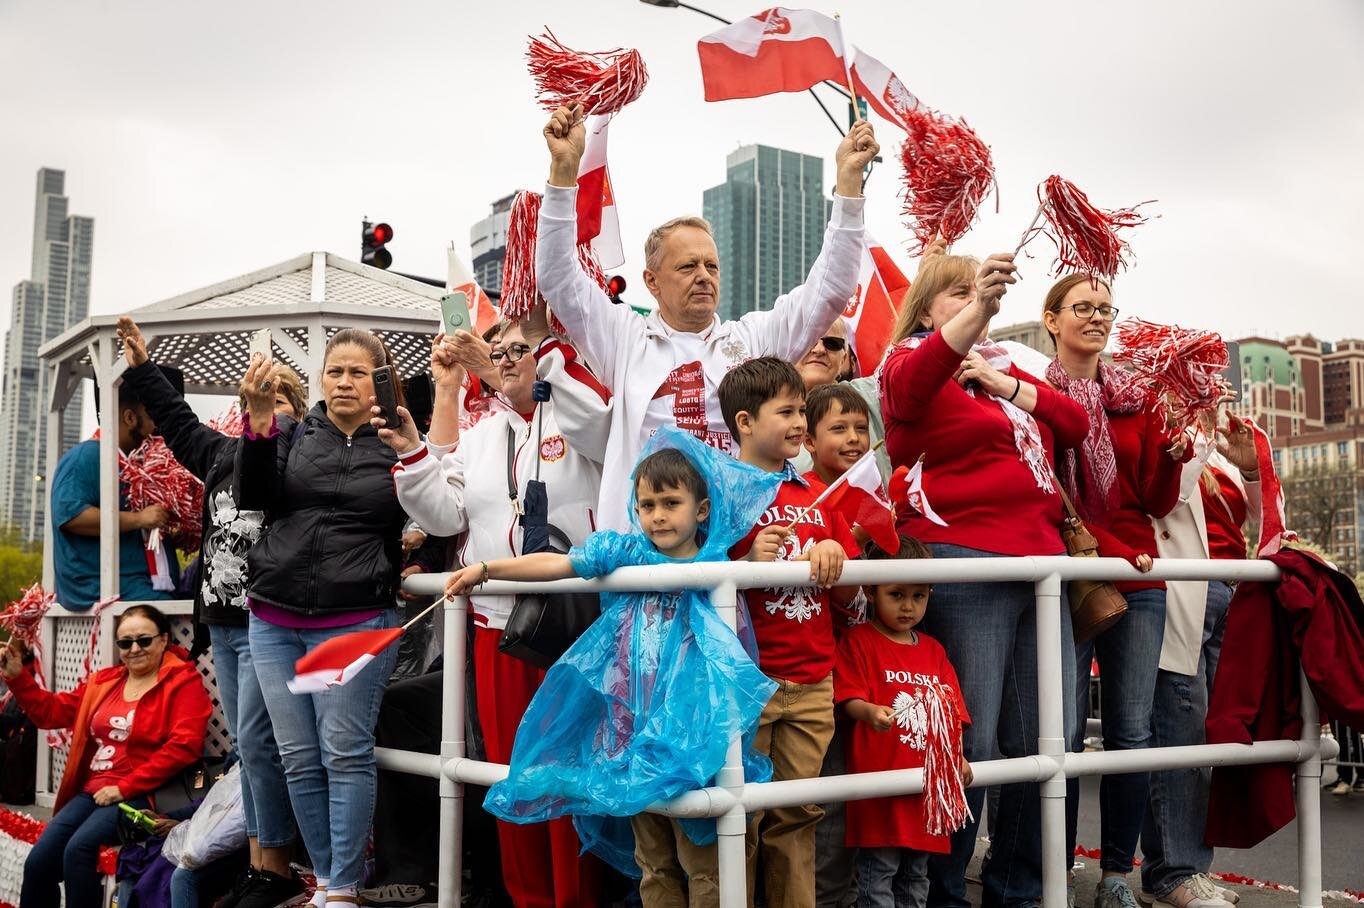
point(23, 618)
point(947, 174)
point(152, 475)
point(1183, 364)
point(518, 266)
point(945, 809)
point(229, 422)
point(602, 82)
point(1085, 235)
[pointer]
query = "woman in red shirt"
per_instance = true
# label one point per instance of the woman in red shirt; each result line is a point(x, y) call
point(134, 726)
point(985, 431)
point(1125, 473)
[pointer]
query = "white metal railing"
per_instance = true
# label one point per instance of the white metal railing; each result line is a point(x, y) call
point(730, 798)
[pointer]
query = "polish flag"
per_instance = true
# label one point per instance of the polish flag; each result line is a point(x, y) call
point(870, 314)
point(882, 89)
point(907, 485)
point(460, 278)
point(598, 220)
point(859, 496)
point(1273, 520)
point(340, 659)
point(777, 50)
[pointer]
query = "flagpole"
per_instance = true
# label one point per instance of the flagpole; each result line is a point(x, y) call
point(1028, 234)
point(847, 69)
point(428, 610)
point(835, 484)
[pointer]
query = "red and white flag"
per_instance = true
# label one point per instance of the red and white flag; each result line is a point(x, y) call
point(338, 660)
point(777, 50)
point(481, 309)
point(882, 89)
point(870, 315)
point(859, 496)
point(907, 485)
point(598, 220)
point(1273, 520)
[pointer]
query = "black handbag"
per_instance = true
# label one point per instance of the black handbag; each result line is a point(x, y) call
point(188, 787)
point(542, 626)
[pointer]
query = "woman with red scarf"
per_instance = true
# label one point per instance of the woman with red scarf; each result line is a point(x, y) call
point(1125, 473)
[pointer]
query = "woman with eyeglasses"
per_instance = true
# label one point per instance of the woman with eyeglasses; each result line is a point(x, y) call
point(473, 483)
point(133, 728)
point(1125, 472)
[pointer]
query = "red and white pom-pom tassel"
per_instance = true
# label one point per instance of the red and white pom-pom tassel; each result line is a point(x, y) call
point(518, 267)
point(602, 82)
point(948, 172)
point(1185, 365)
point(945, 809)
point(23, 619)
point(1086, 236)
point(229, 422)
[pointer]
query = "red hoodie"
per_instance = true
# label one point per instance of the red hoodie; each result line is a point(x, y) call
point(167, 736)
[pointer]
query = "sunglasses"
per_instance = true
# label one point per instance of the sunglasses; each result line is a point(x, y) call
point(834, 344)
point(145, 641)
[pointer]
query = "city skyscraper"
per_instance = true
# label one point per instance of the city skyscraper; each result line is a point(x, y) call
point(769, 218)
point(488, 243)
point(56, 295)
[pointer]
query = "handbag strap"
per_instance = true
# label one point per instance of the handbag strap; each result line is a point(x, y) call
point(511, 470)
point(1072, 514)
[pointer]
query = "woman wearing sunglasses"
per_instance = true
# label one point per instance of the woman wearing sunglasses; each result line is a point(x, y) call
point(133, 727)
point(1125, 473)
point(832, 360)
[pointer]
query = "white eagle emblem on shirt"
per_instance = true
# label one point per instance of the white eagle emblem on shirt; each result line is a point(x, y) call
point(911, 714)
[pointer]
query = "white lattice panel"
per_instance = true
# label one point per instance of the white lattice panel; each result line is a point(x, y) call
point(216, 739)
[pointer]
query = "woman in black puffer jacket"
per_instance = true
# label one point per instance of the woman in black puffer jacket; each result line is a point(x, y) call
point(326, 565)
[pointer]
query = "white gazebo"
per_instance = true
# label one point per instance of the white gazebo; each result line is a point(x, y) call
point(205, 334)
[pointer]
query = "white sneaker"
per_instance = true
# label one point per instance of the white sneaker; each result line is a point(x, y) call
point(1222, 891)
point(1198, 891)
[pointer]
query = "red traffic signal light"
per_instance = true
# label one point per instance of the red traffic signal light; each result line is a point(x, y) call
point(382, 233)
point(615, 287)
point(372, 240)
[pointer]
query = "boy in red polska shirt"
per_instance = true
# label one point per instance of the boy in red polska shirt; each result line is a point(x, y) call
point(884, 671)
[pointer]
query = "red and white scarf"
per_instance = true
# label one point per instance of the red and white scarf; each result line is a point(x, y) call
point(1115, 391)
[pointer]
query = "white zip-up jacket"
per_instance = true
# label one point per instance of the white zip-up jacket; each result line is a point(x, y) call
point(633, 354)
point(450, 490)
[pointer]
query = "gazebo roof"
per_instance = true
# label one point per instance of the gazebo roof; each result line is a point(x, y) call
point(206, 333)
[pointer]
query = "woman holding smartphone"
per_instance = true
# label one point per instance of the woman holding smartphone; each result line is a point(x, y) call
point(326, 565)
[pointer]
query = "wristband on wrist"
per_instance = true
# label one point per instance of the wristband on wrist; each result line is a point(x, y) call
point(1018, 386)
point(485, 573)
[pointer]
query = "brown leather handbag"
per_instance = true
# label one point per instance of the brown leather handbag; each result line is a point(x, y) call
point(1095, 605)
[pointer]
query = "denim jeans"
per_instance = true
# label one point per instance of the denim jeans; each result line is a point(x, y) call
point(990, 633)
point(892, 878)
point(1129, 658)
point(253, 737)
point(326, 741)
point(68, 851)
point(834, 861)
point(1172, 836)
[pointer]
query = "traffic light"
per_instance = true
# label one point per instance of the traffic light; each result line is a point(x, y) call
point(615, 287)
point(373, 237)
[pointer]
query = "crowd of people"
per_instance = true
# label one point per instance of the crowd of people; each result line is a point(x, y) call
point(314, 515)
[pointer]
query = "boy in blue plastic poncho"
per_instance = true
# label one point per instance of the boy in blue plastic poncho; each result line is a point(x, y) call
point(643, 706)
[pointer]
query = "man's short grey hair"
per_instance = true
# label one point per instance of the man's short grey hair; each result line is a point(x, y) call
point(653, 246)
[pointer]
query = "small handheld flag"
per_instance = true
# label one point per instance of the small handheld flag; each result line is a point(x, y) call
point(340, 659)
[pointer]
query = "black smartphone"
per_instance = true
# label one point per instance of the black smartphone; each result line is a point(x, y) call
point(386, 395)
point(1233, 371)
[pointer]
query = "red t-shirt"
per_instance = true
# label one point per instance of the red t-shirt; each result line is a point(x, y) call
point(110, 726)
point(872, 667)
point(1225, 514)
point(793, 625)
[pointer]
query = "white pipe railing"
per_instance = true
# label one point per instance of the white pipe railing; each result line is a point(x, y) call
point(731, 798)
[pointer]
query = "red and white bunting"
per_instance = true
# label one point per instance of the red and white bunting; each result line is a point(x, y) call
point(870, 315)
point(777, 50)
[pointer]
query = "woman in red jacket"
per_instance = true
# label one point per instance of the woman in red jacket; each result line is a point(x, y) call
point(1125, 473)
point(134, 726)
point(985, 431)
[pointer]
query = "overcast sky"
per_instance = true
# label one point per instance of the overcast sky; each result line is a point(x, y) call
point(208, 140)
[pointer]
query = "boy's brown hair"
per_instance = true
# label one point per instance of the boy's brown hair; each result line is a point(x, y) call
point(748, 386)
point(909, 548)
point(670, 469)
point(819, 403)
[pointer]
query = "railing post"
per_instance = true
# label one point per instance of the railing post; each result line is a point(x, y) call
point(1309, 802)
point(731, 827)
point(1051, 740)
point(450, 875)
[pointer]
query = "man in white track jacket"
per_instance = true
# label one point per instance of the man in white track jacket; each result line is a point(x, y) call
point(665, 369)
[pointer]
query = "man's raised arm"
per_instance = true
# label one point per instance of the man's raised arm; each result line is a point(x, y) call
point(593, 323)
point(799, 318)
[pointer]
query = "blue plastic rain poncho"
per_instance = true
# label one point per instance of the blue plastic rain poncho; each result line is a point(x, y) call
point(642, 707)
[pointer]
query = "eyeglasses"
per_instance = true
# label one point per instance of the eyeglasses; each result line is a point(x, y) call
point(834, 344)
point(145, 642)
point(512, 354)
point(1087, 310)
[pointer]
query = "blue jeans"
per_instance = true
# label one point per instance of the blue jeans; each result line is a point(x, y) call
point(253, 737)
point(326, 741)
point(990, 633)
point(892, 878)
point(68, 851)
point(1129, 658)
point(184, 888)
point(1172, 836)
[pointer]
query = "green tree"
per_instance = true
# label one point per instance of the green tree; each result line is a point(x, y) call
point(21, 564)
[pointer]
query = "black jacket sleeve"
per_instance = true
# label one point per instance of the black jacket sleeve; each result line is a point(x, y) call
point(257, 482)
point(194, 444)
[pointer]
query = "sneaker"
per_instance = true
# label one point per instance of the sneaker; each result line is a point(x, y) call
point(1198, 891)
point(271, 891)
point(1359, 786)
point(1341, 788)
point(1227, 895)
point(400, 895)
point(245, 881)
point(1113, 892)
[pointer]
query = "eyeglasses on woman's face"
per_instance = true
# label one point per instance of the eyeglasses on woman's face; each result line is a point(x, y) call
point(1087, 310)
point(512, 354)
point(144, 641)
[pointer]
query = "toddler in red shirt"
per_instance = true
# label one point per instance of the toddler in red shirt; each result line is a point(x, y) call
point(884, 671)
point(763, 402)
